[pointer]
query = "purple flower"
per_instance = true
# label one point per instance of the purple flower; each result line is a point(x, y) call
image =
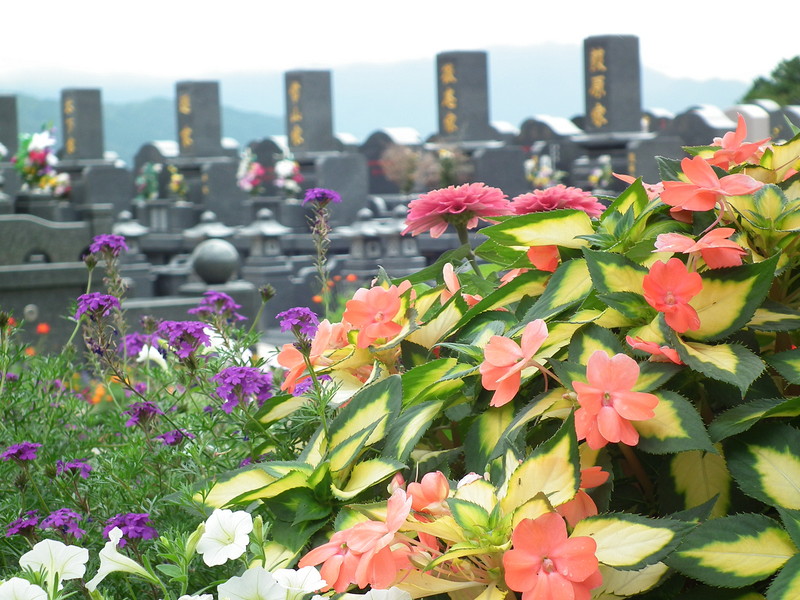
point(79, 466)
point(107, 243)
point(141, 413)
point(184, 337)
point(238, 385)
point(133, 525)
point(217, 303)
point(321, 196)
point(64, 519)
point(24, 525)
point(174, 437)
point(21, 451)
point(133, 343)
point(300, 320)
point(250, 461)
point(12, 377)
point(96, 304)
point(304, 385)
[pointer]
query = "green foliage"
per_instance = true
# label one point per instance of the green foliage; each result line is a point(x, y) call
point(782, 85)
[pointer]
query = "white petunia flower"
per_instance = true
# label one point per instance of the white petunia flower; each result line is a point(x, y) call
point(112, 561)
point(393, 593)
point(226, 536)
point(299, 582)
point(255, 584)
point(58, 561)
point(17, 588)
point(151, 353)
point(198, 597)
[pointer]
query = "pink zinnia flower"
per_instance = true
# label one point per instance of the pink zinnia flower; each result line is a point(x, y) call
point(553, 198)
point(545, 564)
point(607, 402)
point(463, 204)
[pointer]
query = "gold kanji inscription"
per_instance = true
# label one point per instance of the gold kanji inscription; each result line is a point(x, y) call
point(69, 123)
point(450, 122)
point(447, 74)
point(69, 106)
point(295, 116)
point(598, 115)
point(70, 145)
point(186, 137)
point(295, 87)
point(597, 86)
point(296, 136)
point(185, 104)
point(597, 60)
point(449, 99)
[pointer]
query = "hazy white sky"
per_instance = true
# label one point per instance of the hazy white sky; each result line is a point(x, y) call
point(181, 39)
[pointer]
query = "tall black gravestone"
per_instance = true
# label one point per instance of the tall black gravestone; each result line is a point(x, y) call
point(309, 112)
point(199, 118)
point(81, 125)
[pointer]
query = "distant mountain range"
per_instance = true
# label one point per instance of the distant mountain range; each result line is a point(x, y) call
point(524, 82)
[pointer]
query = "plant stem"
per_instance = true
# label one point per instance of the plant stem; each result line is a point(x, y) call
point(463, 238)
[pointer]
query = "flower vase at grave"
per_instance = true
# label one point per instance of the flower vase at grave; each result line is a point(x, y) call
point(43, 204)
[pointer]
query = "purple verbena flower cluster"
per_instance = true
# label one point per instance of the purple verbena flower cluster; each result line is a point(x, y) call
point(133, 526)
point(321, 196)
point(300, 320)
point(184, 337)
point(96, 305)
point(174, 437)
point(64, 519)
point(238, 385)
point(21, 451)
point(24, 525)
point(141, 413)
point(108, 244)
point(79, 466)
point(133, 343)
point(217, 303)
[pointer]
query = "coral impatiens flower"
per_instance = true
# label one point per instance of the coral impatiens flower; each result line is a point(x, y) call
point(553, 198)
point(714, 247)
point(430, 494)
point(292, 359)
point(668, 287)
point(463, 204)
point(582, 505)
point(733, 150)
point(504, 361)
point(653, 190)
point(545, 564)
point(705, 188)
point(371, 312)
point(544, 258)
point(659, 353)
point(453, 286)
point(607, 402)
point(367, 553)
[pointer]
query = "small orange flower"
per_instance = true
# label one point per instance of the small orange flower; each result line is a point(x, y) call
point(668, 287)
point(430, 493)
point(371, 312)
point(337, 277)
point(544, 258)
point(30, 351)
point(705, 188)
point(453, 285)
point(351, 277)
point(607, 402)
point(43, 328)
point(659, 353)
point(317, 298)
point(504, 361)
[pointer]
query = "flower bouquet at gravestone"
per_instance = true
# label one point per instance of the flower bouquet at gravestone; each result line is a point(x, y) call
point(177, 183)
point(540, 173)
point(35, 162)
point(288, 178)
point(251, 174)
point(400, 164)
point(147, 181)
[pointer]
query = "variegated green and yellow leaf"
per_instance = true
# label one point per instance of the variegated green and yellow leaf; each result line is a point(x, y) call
point(742, 417)
point(622, 584)
point(365, 474)
point(568, 286)
point(552, 228)
point(631, 542)
point(409, 427)
point(437, 328)
point(766, 465)
point(699, 476)
point(730, 297)
point(676, 427)
point(553, 468)
point(429, 380)
point(421, 585)
point(733, 551)
point(771, 316)
point(786, 586)
point(529, 284)
point(612, 272)
point(533, 410)
point(226, 490)
point(279, 407)
point(469, 515)
point(652, 375)
point(590, 338)
point(783, 157)
point(787, 364)
point(791, 521)
point(484, 435)
point(292, 480)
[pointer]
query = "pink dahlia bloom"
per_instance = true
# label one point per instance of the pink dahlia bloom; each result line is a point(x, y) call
point(559, 196)
point(463, 204)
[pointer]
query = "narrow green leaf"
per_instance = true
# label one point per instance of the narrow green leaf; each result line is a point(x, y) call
point(742, 417)
point(568, 286)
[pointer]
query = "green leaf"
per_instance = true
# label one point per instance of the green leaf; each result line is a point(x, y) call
point(536, 408)
point(365, 474)
point(733, 551)
point(669, 169)
point(551, 228)
point(590, 338)
point(409, 427)
point(700, 476)
point(676, 427)
point(485, 434)
point(630, 304)
point(730, 297)
point(613, 273)
point(766, 465)
point(568, 286)
point(434, 271)
point(171, 571)
point(787, 364)
point(742, 417)
point(791, 521)
point(470, 516)
point(786, 586)
point(621, 584)
point(631, 542)
point(426, 381)
point(652, 375)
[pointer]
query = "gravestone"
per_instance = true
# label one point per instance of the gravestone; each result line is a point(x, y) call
point(81, 126)
point(102, 184)
point(699, 125)
point(9, 131)
point(309, 112)
point(462, 83)
point(221, 195)
point(402, 144)
point(199, 118)
point(755, 117)
point(554, 137)
point(778, 128)
point(612, 89)
point(502, 168)
point(642, 156)
point(346, 174)
point(656, 120)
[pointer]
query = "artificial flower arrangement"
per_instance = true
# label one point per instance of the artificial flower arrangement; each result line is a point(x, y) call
point(288, 177)
point(539, 171)
point(597, 401)
point(177, 183)
point(251, 174)
point(146, 182)
point(35, 162)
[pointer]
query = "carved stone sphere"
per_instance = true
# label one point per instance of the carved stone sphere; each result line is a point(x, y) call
point(215, 261)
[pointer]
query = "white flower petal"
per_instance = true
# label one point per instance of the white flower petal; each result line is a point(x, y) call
point(56, 559)
point(112, 561)
point(226, 536)
point(255, 584)
point(17, 588)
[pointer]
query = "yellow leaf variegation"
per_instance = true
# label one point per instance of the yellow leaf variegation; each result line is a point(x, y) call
point(366, 474)
point(699, 476)
point(552, 228)
point(627, 583)
point(225, 491)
